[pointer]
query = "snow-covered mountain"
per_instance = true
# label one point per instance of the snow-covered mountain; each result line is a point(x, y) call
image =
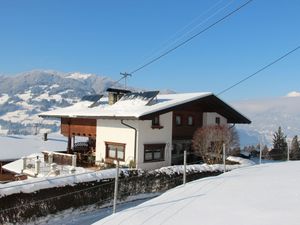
point(25, 95)
point(267, 115)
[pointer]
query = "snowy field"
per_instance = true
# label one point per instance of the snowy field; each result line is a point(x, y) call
point(267, 194)
point(16, 146)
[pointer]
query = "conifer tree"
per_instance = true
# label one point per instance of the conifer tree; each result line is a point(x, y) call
point(279, 151)
point(295, 151)
point(265, 152)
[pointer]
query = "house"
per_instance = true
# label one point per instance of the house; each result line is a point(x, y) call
point(145, 129)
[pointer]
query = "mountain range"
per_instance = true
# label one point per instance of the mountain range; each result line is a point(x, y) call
point(24, 96)
point(267, 115)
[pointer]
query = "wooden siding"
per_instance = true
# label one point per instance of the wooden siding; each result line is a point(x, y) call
point(185, 131)
point(78, 127)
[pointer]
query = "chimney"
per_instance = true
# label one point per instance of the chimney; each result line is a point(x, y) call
point(114, 95)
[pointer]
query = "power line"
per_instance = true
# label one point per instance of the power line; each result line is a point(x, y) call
point(192, 37)
point(258, 71)
point(182, 33)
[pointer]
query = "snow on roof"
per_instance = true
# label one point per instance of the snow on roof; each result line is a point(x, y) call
point(263, 194)
point(133, 108)
point(16, 146)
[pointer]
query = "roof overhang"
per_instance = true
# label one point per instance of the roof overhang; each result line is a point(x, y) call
point(209, 103)
point(90, 117)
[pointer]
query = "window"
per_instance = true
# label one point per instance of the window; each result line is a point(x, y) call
point(154, 152)
point(178, 120)
point(190, 120)
point(174, 149)
point(156, 123)
point(115, 151)
point(218, 120)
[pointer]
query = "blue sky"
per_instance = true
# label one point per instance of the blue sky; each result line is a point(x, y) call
point(109, 37)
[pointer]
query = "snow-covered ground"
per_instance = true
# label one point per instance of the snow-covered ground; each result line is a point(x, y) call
point(16, 146)
point(265, 194)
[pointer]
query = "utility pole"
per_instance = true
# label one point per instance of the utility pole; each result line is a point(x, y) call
point(125, 75)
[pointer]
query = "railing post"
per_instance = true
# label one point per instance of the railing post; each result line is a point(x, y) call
point(184, 167)
point(74, 158)
point(37, 166)
point(24, 163)
point(50, 158)
point(116, 187)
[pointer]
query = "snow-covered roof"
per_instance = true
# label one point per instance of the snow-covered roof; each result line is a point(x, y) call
point(133, 108)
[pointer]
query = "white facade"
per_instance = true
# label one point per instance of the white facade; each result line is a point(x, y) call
point(114, 131)
point(209, 119)
point(147, 135)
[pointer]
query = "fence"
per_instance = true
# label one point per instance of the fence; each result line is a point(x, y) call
point(25, 207)
point(59, 158)
point(33, 166)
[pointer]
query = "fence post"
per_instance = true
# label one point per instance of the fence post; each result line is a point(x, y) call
point(224, 157)
point(116, 187)
point(260, 151)
point(184, 167)
point(288, 151)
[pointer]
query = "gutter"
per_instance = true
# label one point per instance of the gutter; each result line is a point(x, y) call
point(135, 138)
point(232, 126)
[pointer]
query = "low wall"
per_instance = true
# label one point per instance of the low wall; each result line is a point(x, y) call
point(58, 158)
point(26, 207)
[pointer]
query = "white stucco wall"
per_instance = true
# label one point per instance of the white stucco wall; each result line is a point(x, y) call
point(113, 131)
point(147, 135)
point(209, 118)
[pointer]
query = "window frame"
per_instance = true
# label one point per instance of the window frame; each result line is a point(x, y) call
point(156, 124)
point(178, 116)
point(116, 156)
point(217, 120)
point(153, 148)
point(193, 120)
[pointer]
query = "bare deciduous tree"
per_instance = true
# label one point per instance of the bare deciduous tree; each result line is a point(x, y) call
point(208, 142)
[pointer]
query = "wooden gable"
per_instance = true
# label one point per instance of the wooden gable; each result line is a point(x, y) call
point(78, 127)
